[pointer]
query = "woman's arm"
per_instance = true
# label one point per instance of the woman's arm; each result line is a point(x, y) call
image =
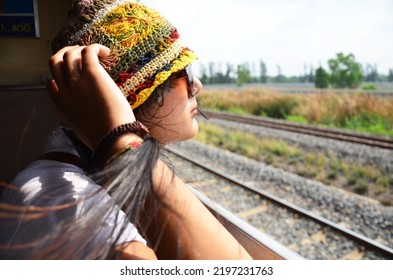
point(134, 250)
point(186, 228)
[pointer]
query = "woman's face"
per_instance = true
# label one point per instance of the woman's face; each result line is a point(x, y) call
point(174, 120)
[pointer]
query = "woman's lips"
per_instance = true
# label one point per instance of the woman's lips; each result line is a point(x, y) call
point(194, 111)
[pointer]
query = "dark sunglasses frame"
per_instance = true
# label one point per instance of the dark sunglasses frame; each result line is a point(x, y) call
point(189, 75)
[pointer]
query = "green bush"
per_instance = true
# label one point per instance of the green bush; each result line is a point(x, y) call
point(368, 86)
point(384, 183)
point(238, 111)
point(297, 119)
point(280, 108)
point(361, 187)
point(369, 124)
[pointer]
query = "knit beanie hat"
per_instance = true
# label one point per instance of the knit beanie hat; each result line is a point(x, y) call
point(145, 47)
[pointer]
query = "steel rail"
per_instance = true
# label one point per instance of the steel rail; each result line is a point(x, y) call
point(321, 220)
point(370, 140)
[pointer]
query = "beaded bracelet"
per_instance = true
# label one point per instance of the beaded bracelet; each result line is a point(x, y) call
point(103, 146)
point(131, 146)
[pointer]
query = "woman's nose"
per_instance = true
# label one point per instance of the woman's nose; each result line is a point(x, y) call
point(198, 85)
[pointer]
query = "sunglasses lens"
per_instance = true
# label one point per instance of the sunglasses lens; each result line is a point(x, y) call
point(188, 74)
point(190, 82)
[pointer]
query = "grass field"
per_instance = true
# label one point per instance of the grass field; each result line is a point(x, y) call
point(353, 111)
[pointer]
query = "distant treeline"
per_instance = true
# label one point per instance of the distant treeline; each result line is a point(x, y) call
point(343, 72)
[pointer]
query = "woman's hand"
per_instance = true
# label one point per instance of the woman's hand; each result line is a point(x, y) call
point(84, 93)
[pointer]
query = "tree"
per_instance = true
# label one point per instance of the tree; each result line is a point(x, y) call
point(321, 78)
point(243, 74)
point(345, 71)
point(311, 77)
point(204, 77)
point(263, 72)
point(228, 73)
point(390, 77)
point(212, 72)
point(304, 77)
point(371, 73)
point(280, 78)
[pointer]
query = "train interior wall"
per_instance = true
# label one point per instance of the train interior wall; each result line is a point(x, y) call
point(24, 60)
point(27, 117)
point(26, 113)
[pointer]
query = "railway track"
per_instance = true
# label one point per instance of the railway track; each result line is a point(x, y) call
point(336, 134)
point(323, 234)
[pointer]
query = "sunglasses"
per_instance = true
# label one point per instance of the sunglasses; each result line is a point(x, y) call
point(189, 75)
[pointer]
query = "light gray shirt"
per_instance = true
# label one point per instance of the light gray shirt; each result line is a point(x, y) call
point(73, 195)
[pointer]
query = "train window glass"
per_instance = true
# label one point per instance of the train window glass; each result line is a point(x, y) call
point(19, 18)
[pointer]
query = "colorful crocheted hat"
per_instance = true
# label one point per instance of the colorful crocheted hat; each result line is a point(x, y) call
point(145, 47)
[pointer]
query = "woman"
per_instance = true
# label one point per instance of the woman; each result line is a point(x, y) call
point(123, 85)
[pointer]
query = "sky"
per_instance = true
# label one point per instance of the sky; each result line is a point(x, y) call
point(291, 34)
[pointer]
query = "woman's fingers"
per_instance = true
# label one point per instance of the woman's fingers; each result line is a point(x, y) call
point(56, 64)
point(72, 64)
point(90, 56)
point(52, 88)
point(68, 64)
